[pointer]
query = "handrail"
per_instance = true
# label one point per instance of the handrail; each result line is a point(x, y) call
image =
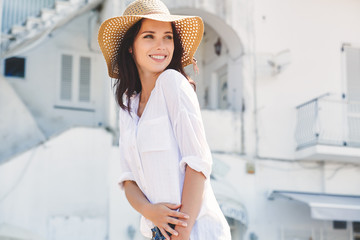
point(328, 122)
point(313, 100)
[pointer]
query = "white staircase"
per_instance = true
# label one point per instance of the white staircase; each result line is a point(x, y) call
point(23, 35)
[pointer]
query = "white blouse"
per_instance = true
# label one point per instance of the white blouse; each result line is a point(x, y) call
point(156, 147)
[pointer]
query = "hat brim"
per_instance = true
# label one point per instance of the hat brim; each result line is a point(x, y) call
point(112, 30)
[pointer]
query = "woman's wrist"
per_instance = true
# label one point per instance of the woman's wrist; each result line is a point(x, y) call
point(184, 232)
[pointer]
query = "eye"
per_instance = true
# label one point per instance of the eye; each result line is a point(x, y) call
point(170, 37)
point(149, 36)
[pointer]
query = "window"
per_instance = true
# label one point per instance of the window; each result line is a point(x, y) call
point(356, 227)
point(75, 81)
point(356, 230)
point(223, 89)
point(339, 225)
point(15, 67)
point(219, 89)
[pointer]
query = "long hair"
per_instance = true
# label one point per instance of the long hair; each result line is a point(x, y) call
point(128, 82)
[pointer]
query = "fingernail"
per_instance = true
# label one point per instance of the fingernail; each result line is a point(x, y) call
point(184, 224)
point(187, 216)
point(176, 234)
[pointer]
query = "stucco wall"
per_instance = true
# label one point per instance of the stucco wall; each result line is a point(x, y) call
point(313, 32)
point(18, 128)
point(62, 182)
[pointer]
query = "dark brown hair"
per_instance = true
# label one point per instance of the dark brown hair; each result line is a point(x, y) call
point(128, 82)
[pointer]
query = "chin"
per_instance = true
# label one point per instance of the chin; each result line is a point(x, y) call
point(160, 70)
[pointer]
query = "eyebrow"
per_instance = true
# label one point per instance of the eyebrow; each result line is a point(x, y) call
point(168, 32)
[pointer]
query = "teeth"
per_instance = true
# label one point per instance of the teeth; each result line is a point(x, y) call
point(157, 57)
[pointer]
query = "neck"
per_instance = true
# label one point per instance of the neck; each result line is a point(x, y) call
point(148, 81)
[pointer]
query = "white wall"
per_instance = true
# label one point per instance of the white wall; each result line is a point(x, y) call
point(18, 129)
point(40, 88)
point(64, 181)
point(273, 219)
point(223, 130)
point(122, 217)
point(314, 32)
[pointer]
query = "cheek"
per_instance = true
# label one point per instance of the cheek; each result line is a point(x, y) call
point(171, 48)
point(139, 51)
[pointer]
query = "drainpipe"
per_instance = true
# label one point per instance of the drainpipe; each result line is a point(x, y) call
point(252, 48)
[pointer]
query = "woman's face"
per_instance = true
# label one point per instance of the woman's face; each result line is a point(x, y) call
point(153, 47)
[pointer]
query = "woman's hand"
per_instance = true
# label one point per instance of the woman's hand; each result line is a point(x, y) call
point(161, 214)
point(184, 233)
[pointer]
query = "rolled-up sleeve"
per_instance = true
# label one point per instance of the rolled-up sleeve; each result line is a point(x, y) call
point(185, 116)
point(125, 171)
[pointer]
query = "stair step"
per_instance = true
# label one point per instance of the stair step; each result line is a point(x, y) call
point(47, 14)
point(62, 6)
point(33, 22)
point(16, 29)
point(76, 1)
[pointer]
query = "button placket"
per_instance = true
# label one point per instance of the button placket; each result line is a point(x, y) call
point(137, 156)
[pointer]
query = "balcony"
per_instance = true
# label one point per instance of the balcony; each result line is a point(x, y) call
point(328, 129)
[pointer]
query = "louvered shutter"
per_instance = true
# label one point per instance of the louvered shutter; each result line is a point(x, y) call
point(66, 77)
point(353, 73)
point(84, 79)
point(353, 93)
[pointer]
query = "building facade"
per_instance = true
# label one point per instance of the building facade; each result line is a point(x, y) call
point(279, 88)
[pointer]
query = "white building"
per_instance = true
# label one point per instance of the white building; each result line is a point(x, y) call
point(279, 90)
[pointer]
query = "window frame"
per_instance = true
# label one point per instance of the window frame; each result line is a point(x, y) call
point(74, 102)
point(15, 77)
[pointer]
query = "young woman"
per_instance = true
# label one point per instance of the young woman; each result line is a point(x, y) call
point(165, 159)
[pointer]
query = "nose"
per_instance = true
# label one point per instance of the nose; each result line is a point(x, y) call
point(160, 45)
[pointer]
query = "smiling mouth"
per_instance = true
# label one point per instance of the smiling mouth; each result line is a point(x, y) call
point(158, 57)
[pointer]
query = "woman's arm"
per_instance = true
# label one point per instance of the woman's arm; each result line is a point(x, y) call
point(191, 200)
point(160, 214)
point(185, 116)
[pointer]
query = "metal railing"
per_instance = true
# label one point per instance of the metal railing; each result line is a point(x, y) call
point(16, 12)
point(326, 121)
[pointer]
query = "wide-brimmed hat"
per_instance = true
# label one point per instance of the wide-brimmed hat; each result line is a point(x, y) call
point(112, 31)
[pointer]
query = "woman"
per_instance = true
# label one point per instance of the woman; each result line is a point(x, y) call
point(165, 159)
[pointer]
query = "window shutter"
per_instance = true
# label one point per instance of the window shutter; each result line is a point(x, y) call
point(353, 93)
point(84, 79)
point(353, 73)
point(66, 77)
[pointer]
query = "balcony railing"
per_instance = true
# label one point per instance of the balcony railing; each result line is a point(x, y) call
point(326, 121)
point(16, 12)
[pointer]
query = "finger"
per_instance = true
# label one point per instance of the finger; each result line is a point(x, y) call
point(171, 230)
point(177, 214)
point(164, 233)
point(177, 222)
point(173, 206)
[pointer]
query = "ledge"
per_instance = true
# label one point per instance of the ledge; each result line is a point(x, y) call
point(329, 153)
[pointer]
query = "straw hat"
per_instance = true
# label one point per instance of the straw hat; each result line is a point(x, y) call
point(112, 30)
